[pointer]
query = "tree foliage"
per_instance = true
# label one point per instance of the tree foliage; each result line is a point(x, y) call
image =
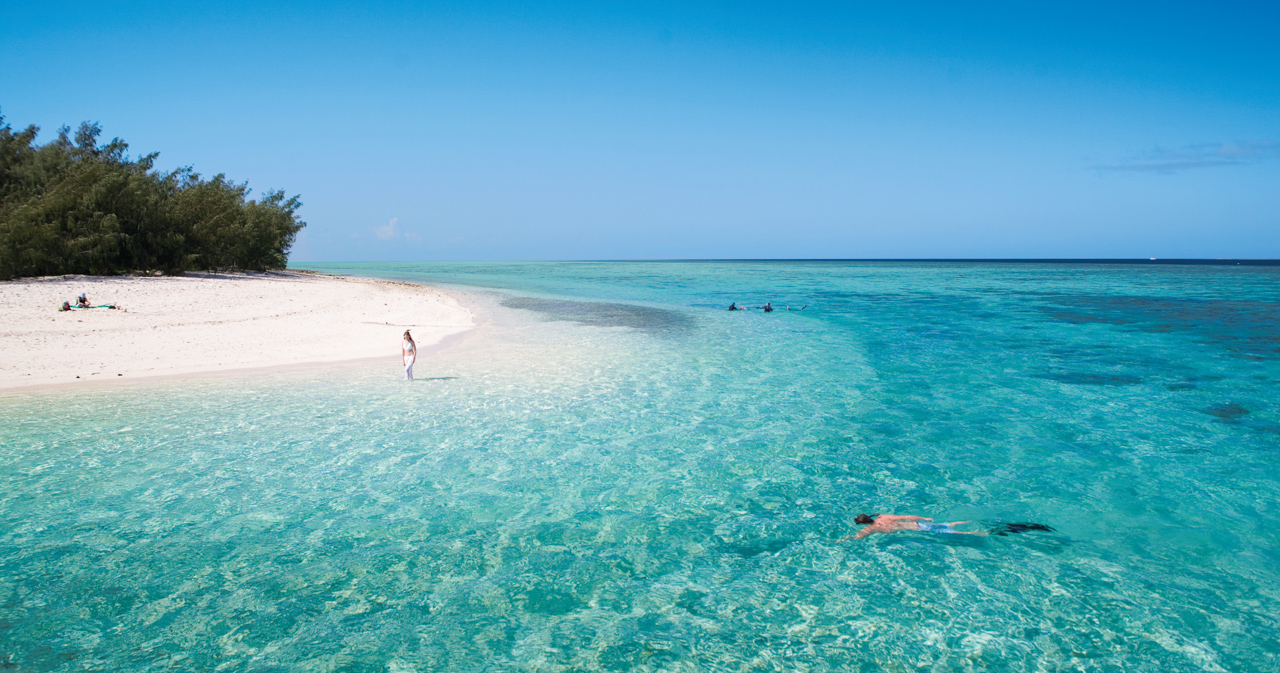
point(72, 206)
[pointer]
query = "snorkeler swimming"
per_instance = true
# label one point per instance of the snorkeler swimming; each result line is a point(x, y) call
point(894, 523)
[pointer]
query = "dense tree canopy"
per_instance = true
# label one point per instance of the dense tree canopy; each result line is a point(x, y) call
point(72, 206)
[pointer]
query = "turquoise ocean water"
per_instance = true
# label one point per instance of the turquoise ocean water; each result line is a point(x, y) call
point(612, 472)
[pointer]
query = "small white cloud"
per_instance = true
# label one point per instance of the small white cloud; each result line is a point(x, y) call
point(1210, 155)
point(387, 232)
point(410, 236)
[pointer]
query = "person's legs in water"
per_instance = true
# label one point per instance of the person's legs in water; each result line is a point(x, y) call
point(946, 528)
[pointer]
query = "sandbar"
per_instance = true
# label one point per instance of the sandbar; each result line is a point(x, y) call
point(205, 322)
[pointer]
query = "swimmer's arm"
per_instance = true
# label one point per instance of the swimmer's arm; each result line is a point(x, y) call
point(859, 535)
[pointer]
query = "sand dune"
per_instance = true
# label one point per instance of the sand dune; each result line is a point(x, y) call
point(207, 322)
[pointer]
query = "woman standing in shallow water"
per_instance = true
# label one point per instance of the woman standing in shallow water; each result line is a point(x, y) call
point(408, 353)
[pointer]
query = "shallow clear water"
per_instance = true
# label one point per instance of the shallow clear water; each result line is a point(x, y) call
point(615, 473)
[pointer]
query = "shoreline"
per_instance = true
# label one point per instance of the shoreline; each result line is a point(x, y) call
point(205, 325)
point(392, 363)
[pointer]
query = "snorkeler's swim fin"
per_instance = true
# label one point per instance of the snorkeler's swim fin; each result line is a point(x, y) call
point(1023, 527)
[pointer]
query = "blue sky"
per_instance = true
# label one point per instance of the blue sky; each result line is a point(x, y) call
point(611, 130)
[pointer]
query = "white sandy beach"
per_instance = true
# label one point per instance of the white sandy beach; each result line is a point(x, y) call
point(208, 323)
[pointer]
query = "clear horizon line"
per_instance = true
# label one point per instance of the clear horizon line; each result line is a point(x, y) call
point(943, 260)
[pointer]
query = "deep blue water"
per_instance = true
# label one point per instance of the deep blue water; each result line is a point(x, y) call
point(615, 473)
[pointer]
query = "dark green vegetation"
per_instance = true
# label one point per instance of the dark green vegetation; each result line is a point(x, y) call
point(72, 206)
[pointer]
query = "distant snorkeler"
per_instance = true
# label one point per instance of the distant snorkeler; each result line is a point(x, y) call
point(733, 306)
point(768, 308)
point(894, 523)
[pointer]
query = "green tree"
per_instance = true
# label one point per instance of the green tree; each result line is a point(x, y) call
point(73, 206)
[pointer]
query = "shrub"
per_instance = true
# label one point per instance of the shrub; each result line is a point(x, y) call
point(72, 206)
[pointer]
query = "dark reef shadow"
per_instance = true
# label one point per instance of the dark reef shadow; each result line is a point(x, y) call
point(1226, 413)
point(599, 314)
point(1246, 329)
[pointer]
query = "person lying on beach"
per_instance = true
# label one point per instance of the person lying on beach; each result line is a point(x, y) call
point(66, 306)
point(893, 523)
